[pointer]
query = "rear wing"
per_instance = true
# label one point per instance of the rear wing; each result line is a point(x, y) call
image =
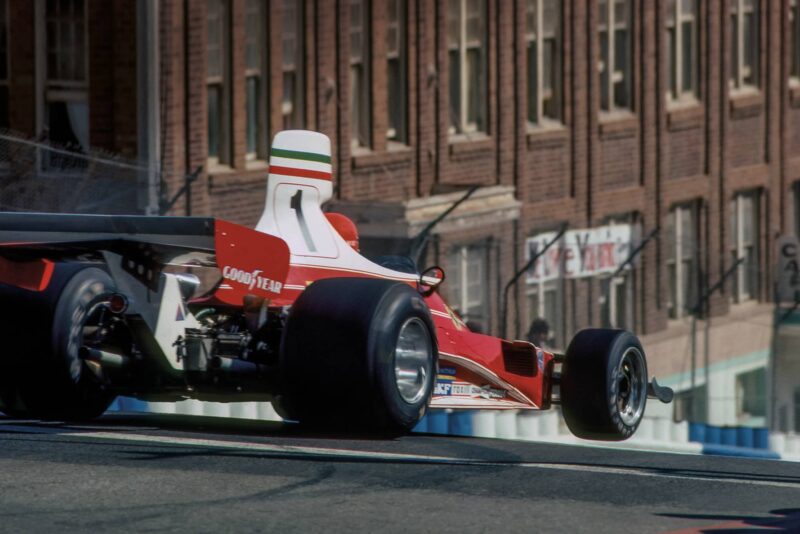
point(34, 235)
point(250, 262)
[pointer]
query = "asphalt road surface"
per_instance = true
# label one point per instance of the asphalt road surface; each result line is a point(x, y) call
point(177, 473)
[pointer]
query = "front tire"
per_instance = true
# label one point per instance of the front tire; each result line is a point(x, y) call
point(358, 354)
point(604, 384)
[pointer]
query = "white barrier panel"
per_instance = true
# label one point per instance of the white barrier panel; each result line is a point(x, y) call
point(483, 424)
point(506, 424)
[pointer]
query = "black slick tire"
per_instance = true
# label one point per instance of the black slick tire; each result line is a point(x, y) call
point(57, 384)
point(338, 356)
point(604, 384)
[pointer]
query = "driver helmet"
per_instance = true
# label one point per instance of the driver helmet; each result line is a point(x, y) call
point(344, 227)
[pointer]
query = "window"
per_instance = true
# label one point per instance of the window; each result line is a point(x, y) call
point(796, 198)
point(744, 244)
point(615, 54)
point(683, 50)
point(396, 72)
point(256, 108)
point(620, 301)
point(796, 410)
point(545, 302)
point(4, 74)
point(794, 42)
point(682, 261)
point(543, 50)
point(751, 396)
point(744, 44)
point(466, 54)
point(467, 276)
point(293, 65)
point(619, 290)
point(690, 405)
point(66, 88)
point(359, 74)
point(217, 75)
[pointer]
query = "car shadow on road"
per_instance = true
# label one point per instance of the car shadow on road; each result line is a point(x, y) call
point(782, 520)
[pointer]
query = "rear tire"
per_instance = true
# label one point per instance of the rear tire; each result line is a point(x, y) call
point(58, 385)
point(604, 384)
point(358, 354)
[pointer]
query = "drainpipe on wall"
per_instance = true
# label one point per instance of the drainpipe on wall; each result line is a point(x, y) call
point(148, 104)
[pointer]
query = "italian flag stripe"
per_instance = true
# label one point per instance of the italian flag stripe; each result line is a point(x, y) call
point(294, 154)
point(300, 173)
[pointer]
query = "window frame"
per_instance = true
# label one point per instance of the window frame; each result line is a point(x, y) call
point(609, 64)
point(677, 307)
point(397, 134)
point(51, 90)
point(749, 272)
point(793, 16)
point(624, 280)
point(535, 81)
point(737, 74)
point(675, 93)
point(293, 109)
point(458, 258)
point(5, 81)
point(261, 74)
point(539, 291)
point(223, 81)
point(359, 75)
point(463, 124)
point(751, 392)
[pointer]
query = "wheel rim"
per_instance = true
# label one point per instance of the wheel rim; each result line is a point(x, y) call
point(631, 386)
point(412, 360)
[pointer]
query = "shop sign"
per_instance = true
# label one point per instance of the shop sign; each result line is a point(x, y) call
point(580, 253)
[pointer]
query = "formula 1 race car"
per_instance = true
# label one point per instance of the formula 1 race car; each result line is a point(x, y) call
point(95, 306)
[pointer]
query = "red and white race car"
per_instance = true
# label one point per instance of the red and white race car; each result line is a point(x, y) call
point(96, 306)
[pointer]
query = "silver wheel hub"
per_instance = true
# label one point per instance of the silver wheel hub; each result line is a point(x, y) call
point(413, 357)
point(631, 386)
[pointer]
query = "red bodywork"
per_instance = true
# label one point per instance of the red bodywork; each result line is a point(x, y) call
point(475, 370)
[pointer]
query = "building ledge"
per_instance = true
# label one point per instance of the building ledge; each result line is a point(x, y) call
point(487, 205)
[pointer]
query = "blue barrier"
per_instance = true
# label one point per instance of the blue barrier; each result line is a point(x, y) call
point(728, 436)
point(761, 438)
point(741, 452)
point(713, 435)
point(422, 426)
point(732, 440)
point(460, 423)
point(744, 437)
point(697, 432)
point(437, 422)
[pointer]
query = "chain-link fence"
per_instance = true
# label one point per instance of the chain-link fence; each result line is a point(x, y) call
point(40, 176)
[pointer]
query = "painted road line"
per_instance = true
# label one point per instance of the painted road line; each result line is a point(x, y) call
point(320, 452)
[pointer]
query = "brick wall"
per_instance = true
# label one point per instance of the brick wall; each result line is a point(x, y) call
point(592, 167)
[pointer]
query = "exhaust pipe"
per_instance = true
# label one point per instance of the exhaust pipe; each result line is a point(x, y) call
point(235, 366)
point(110, 359)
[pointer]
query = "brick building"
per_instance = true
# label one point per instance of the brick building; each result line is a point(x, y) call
point(678, 120)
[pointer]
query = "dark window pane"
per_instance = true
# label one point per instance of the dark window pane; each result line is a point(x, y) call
point(4, 106)
point(734, 52)
point(214, 120)
point(474, 85)
point(689, 57)
point(532, 83)
point(253, 113)
point(751, 48)
point(455, 91)
point(622, 66)
point(672, 62)
point(604, 101)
